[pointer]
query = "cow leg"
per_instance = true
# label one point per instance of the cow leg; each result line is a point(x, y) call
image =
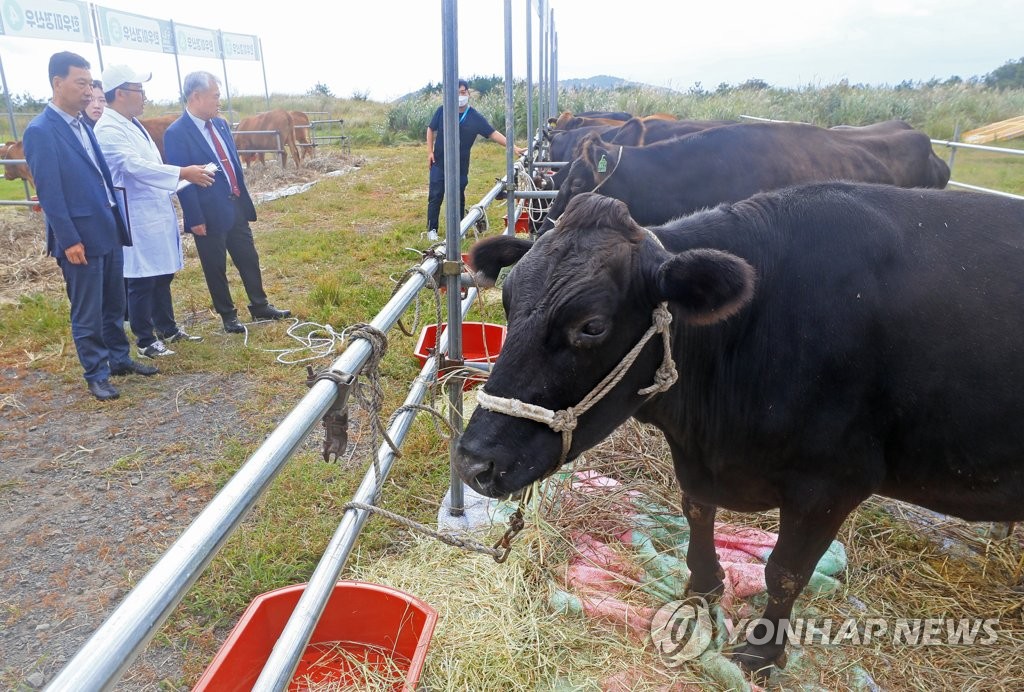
point(706, 575)
point(804, 536)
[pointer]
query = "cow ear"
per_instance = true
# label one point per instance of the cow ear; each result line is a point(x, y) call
point(592, 149)
point(708, 285)
point(488, 257)
point(631, 134)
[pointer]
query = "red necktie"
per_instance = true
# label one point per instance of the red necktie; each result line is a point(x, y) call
point(225, 161)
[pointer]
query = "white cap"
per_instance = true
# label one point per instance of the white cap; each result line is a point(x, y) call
point(119, 75)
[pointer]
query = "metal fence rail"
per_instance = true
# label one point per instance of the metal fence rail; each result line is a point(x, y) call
point(979, 147)
point(111, 649)
point(235, 134)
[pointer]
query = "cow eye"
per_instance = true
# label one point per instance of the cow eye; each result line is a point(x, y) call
point(593, 331)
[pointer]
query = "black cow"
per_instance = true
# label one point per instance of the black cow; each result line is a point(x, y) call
point(566, 145)
point(662, 181)
point(832, 341)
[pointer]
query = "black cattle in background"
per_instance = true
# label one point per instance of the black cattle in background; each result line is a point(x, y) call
point(662, 181)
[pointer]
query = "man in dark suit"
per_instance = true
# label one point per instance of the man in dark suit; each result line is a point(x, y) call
point(85, 229)
point(218, 216)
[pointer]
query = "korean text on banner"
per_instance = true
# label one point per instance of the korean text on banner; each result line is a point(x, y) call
point(127, 30)
point(62, 20)
point(193, 40)
point(240, 46)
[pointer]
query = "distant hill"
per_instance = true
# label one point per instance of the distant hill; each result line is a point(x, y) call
point(601, 81)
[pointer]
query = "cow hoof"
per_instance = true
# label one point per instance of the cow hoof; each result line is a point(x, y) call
point(710, 590)
point(758, 661)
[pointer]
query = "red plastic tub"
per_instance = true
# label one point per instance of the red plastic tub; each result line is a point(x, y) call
point(522, 224)
point(481, 343)
point(364, 628)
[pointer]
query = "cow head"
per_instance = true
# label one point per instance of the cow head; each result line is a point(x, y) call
point(596, 163)
point(577, 302)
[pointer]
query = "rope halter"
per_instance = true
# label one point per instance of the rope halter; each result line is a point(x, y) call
point(565, 421)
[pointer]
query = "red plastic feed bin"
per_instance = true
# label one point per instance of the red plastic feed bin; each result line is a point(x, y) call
point(481, 343)
point(522, 224)
point(364, 627)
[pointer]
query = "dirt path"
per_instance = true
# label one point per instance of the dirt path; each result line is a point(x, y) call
point(92, 494)
point(89, 503)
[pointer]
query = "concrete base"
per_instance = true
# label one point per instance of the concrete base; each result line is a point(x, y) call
point(479, 513)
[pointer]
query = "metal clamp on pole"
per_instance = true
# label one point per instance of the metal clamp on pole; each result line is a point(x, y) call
point(335, 420)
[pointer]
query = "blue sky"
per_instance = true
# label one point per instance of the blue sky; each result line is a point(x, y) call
point(388, 48)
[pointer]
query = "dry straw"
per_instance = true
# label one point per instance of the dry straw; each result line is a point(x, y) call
point(497, 631)
point(24, 266)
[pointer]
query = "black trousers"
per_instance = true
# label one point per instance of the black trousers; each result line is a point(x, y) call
point(213, 249)
point(150, 308)
point(435, 196)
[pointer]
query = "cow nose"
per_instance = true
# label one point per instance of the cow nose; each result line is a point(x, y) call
point(476, 472)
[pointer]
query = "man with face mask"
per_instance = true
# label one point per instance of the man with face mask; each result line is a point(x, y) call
point(471, 124)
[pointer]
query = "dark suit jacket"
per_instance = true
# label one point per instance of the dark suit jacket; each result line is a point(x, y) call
point(184, 145)
point(71, 190)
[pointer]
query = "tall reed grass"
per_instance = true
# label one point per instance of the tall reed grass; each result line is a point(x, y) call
point(936, 110)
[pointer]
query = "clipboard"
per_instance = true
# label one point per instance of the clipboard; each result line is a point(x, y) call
point(123, 205)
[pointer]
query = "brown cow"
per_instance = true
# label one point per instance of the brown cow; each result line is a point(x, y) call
point(303, 133)
point(14, 171)
point(156, 127)
point(278, 121)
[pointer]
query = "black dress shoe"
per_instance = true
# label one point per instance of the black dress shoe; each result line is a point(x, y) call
point(233, 326)
point(103, 390)
point(131, 366)
point(268, 312)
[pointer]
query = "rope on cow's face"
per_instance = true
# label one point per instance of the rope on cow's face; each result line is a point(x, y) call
point(614, 168)
point(564, 421)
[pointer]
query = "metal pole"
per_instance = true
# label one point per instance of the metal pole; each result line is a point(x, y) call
point(529, 84)
point(227, 90)
point(263, 66)
point(541, 59)
point(952, 150)
point(10, 118)
point(177, 65)
point(452, 194)
point(10, 106)
point(554, 76)
point(510, 118)
point(96, 27)
point(551, 63)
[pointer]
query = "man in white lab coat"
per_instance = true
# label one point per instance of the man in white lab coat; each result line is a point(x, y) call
point(136, 166)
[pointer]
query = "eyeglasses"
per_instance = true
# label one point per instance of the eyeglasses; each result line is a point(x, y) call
point(137, 91)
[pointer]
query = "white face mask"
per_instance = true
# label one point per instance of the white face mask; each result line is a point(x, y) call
point(463, 101)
